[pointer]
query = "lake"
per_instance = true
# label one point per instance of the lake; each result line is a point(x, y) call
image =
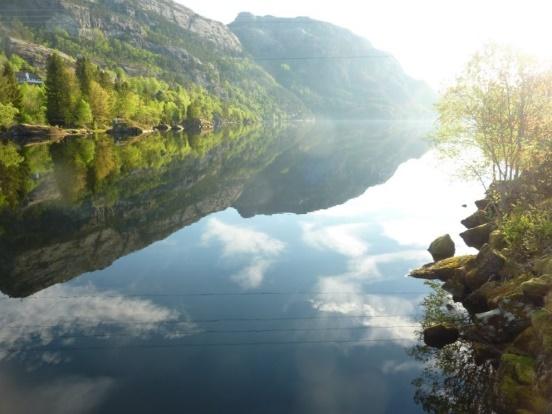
point(255, 270)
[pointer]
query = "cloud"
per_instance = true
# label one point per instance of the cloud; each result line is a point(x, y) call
point(345, 239)
point(62, 396)
point(252, 276)
point(390, 316)
point(64, 311)
point(241, 240)
point(256, 248)
point(395, 367)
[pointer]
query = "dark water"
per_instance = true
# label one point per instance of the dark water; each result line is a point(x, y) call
point(245, 271)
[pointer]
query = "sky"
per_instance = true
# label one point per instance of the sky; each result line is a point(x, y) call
point(432, 39)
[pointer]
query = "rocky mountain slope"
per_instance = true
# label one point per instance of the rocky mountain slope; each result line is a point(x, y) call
point(335, 72)
point(143, 37)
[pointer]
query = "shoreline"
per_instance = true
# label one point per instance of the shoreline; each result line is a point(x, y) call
point(508, 300)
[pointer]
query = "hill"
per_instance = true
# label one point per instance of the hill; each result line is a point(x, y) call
point(335, 72)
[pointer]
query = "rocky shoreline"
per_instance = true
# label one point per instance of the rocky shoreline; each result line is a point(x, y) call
point(509, 303)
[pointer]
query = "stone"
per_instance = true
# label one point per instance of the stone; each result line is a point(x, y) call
point(443, 269)
point(442, 248)
point(163, 127)
point(439, 336)
point(537, 288)
point(125, 129)
point(488, 263)
point(478, 236)
point(476, 219)
point(483, 203)
point(497, 240)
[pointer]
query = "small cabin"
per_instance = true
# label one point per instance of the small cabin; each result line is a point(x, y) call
point(28, 78)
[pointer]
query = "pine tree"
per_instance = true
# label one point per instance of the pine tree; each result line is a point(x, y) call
point(86, 74)
point(9, 89)
point(60, 92)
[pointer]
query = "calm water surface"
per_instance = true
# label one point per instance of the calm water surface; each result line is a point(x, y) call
point(246, 271)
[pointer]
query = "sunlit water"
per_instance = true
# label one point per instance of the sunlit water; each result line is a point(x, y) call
point(305, 310)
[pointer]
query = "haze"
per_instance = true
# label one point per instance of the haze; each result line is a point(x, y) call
point(431, 38)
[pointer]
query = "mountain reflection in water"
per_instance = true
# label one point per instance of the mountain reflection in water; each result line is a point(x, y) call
point(183, 304)
point(89, 201)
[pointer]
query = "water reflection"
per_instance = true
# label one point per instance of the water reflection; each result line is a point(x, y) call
point(455, 379)
point(182, 304)
point(77, 206)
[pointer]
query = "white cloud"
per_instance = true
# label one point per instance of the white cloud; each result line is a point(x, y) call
point(256, 248)
point(64, 311)
point(252, 276)
point(345, 239)
point(241, 240)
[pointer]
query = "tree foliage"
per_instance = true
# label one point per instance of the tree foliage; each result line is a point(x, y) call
point(500, 105)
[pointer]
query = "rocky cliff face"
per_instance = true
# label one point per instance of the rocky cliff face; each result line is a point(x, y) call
point(120, 18)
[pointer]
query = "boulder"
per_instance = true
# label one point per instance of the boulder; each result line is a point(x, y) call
point(197, 125)
point(478, 236)
point(483, 203)
point(26, 133)
point(439, 336)
point(476, 219)
point(537, 288)
point(543, 265)
point(163, 127)
point(488, 263)
point(442, 248)
point(443, 269)
point(125, 129)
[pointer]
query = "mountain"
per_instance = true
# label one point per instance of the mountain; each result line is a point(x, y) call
point(156, 38)
point(335, 72)
point(337, 162)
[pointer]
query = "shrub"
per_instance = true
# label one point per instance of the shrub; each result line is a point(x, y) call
point(529, 231)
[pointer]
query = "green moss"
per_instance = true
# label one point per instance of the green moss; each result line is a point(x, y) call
point(522, 367)
point(443, 269)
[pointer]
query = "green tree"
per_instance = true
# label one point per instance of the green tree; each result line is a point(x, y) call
point(33, 104)
point(8, 113)
point(83, 114)
point(100, 103)
point(500, 105)
point(61, 93)
point(9, 90)
point(86, 74)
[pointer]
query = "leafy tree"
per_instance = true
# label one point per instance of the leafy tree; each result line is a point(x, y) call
point(501, 105)
point(86, 74)
point(100, 103)
point(61, 92)
point(8, 113)
point(9, 90)
point(83, 114)
point(33, 104)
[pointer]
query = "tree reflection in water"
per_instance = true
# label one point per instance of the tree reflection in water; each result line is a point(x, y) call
point(455, 379)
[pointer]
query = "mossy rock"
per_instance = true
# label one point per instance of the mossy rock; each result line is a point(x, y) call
point(541, 321)
point(476, 219)
point(441, 335)
point(517, 388)
point(523, 367)
point(443, 269)
point(526, 343)
point(537, 288)
point(543, 265)
point(478, 236)
point(442, 248)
